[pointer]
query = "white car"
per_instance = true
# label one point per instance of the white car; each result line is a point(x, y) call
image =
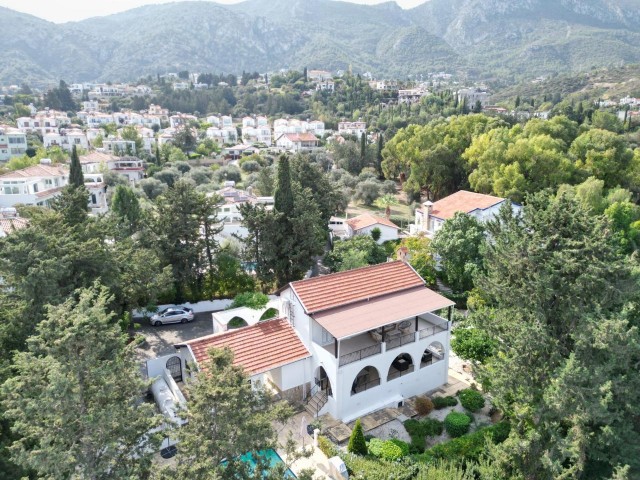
point(172, 315)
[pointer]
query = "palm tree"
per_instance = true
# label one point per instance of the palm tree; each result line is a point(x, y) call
point(386, 201)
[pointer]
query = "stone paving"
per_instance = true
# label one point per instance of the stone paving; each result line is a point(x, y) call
point(339, 432)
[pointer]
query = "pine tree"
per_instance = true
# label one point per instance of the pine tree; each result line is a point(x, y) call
point(76, 178)
point(283, 197)
point(357, 443)
point(75, 398)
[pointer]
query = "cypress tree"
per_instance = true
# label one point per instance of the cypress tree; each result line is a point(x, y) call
point(158, 159)
point(76, 178)
point(363, 149)
point(283, 197)
point(379, 155)
point(357, 443)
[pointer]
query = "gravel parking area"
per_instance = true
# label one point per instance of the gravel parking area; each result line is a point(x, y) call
point(160, 340)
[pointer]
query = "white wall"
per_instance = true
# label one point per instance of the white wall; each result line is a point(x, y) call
point(386, 232)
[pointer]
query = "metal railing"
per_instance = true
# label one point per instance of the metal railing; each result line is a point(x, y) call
point(432, 330)
point(398, 373)
point(318, 398)
point(401, 340)
point(360, 354)
point(361, 387)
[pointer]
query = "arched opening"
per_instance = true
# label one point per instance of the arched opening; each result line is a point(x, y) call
point(270, 313)
point(236, 322)
point(174, 365)
point(322, 381)
point(432, 354)
point(401, 365)
point(367, 378)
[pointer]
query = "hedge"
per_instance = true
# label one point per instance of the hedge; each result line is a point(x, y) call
point(391, 450)
point(327, 447)
point(444, 402)
point(372, 468)
point(419, 430)
point(468, 447)
point(457, 424)
point(471, 399)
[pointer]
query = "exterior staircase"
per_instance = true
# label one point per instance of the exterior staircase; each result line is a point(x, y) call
point(315, 403)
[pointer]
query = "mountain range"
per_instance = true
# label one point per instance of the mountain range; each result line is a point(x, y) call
point(499, 40)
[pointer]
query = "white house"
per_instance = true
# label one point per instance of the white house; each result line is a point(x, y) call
point(411, 95)
point(180, 119)
point(130, 167)
point(297, 142)
point(474, 95)
point(261, 134)
point(229, 214)
point(66, 139)
point(352, 128)
point(118, 146)
point(349, 343)
point(326, 86)
point(13, 142)
point(36, 185)
point(223, 135)
point(430, 216)
point(364, 224)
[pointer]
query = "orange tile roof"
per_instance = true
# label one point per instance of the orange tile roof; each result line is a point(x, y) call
point(463, 201)
point(12, 224)
point(37, 171)
point(344, 288)
point(371, 314)
point(258, 348)
point(300, 137)
point(366, 220)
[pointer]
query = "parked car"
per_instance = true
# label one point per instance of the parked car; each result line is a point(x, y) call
point(172, 315)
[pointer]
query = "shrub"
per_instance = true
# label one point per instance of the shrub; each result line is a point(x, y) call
point(468, 447)
point(471, 399)
point(357, 443)
point(424, 405)
point(253, 300)
point(391, 450)
point(327, 447)
point(250, 166)
point(457, 424)
point(372, 468)
point(418, 430)
point(444, 402)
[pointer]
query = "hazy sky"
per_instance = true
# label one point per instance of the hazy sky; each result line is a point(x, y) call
point(68, 10)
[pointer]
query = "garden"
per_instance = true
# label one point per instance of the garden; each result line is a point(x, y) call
point(445, 428)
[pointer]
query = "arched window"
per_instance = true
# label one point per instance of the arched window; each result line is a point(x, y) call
point(236, 322)
point(322, 381)
point(401, 365)
point(367, 378)
point(432, 354)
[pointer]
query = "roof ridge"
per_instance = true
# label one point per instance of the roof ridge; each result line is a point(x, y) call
point(235, 330)
point(344, 273)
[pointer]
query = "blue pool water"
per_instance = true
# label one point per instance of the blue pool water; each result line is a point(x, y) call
point(270, 455)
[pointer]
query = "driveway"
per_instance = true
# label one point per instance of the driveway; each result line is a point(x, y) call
point(160, 340)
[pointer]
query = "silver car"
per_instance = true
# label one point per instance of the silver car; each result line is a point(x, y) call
point(172, 315)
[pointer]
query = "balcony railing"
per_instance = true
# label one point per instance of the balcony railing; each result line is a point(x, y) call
point(401, 340)
point(400, 373)
point(360, 354)
point(432, 330)
point(361, 387)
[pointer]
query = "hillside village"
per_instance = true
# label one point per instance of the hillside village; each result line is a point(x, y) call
point(319, 274)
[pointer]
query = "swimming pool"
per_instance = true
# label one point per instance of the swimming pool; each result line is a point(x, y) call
point(269, 455)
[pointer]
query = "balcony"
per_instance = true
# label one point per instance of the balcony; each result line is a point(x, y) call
point(359, 347)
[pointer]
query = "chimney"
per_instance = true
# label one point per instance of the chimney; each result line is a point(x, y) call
point(403, 254)
point(428, 207)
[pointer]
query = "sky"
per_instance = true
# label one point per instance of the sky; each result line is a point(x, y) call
point(60, 11)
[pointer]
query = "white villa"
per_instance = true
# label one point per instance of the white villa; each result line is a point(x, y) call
point(13, 142)
point(66, 139)
point(430, 217)
point(223, 135)
point(297, 142)
point(229, 214)
point(40, 184)
point(348, 343)
point(363, 225)
point(352, 128)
